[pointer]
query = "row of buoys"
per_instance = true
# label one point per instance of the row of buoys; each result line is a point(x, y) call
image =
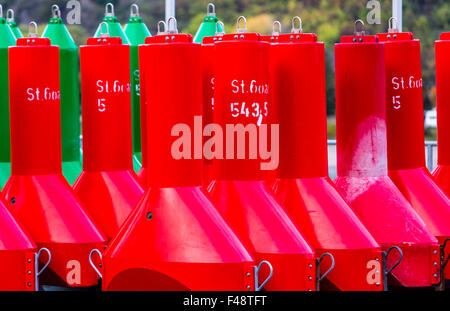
point(192, 222)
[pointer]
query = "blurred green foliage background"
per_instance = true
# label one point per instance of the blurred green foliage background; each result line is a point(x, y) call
point(330, 19)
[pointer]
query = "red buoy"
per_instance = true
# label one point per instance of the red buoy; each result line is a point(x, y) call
point(405, 133)
point(242, 107)
point(362, 162)
point(297, 70)
point(37, 191)
point(174, 239)
point(108, 186)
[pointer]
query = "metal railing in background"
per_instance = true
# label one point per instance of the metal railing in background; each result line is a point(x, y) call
point(430, 146)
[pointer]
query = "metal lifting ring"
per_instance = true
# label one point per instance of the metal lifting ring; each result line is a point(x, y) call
point(362, 30)
point(391, 25)
point(300, 25)
point(92, 263)
point(56, 12)
point(38, 272)
point(10, 15)
point(238, 29)
point(109, 12)
point(104, 34)
point(211, 10)
point(222, 26)
point(274, 32)
point(159, 28)
point(135, 12)
point(259, 287)
point(32, 30)
point(173, 30)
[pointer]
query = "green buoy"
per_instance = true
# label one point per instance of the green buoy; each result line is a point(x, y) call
point(58, 34)
point(7, 39)
point(114, 27)
point(208, 27)
point(136, 32)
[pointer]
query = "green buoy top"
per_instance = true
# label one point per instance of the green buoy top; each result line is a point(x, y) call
point(57, 32)
point(12, 24)
point(115, 30)
point(208, 27)
point(7, 37)
point(136, 30)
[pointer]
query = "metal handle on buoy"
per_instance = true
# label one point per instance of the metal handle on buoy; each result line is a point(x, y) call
point(319, 277)
point(163, 32)
point(385, 270)
point(92, 263)
point(257, 269)
point(222, 26)
point(36, 265)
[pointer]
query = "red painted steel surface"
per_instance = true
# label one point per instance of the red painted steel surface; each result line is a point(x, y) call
point(108, 186)
point(207, 60)
point(405, 134)
point(16, 248)
point(174, 239)
point(442, 172)
point(297, 69)
point(362, 162)
point(241, 95)
point(37, 192)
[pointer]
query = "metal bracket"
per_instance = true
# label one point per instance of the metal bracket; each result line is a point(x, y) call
point(319, 278)
point(257, 269)
point(386, 272)
point(92, 263)
point(36, 265)
point(444, 261)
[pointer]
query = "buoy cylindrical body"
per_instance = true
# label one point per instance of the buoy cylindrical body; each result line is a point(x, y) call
point(37, 192)
point(202, 253)
point(108, 186)
point(297, 72)
point(242, 111)
point(362, 162)
point(58, 34)
point(405, 134)
point(136, 32)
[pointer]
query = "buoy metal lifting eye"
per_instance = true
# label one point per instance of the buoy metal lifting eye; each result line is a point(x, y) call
point(102, 33)
point(298, 29)
point(211, 10)
point(391, 28)
point(109, 9)
point(134, 10)
point(220, 31)
point(10, 15)
point(276, 28)
point(172, 27)
point(164, 31)
point(56, 12)
point(32, 30)
point(238, 28)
